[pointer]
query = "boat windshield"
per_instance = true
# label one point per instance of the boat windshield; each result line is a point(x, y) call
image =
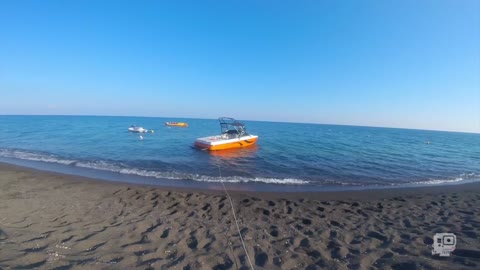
point(232, 127)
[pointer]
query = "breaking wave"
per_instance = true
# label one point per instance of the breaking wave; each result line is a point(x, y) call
point(123, 169)
point(462, 177)
point(117, 167)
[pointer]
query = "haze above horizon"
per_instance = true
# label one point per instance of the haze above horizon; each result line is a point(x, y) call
point(404, 64)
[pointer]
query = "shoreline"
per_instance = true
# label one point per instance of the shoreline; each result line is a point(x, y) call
point(366, 194)
point(270, 189)
point(58, 221)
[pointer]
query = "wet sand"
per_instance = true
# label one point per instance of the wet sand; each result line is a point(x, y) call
point(56, 221)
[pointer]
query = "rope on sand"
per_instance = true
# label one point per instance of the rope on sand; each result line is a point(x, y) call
point(234, 216)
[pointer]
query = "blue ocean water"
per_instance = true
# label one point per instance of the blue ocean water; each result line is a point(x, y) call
point(288, 157)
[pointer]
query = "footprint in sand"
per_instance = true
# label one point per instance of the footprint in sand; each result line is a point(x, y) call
point(226, 265)
point(192, 242)
point(377, 235)
point(261, 257)
point(335, 223)
point(3, 235)
point(273, 231)
point(306, 221)
point(304, 243)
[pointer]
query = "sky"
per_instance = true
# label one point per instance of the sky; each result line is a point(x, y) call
point(409, 64)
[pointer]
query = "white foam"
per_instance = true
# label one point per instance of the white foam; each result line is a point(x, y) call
point(470, 175)
point(204, 178)
point(97, 165)
point(33, 156)
point(439, 181)
point(467, 177)
point(107, 166)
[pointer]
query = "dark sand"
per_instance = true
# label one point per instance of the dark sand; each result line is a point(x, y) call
point(55, 221)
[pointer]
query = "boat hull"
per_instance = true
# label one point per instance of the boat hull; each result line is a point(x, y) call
point(138, 130)
point(215, 143)
point(182, 124)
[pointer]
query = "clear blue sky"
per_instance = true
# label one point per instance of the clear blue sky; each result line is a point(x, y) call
point(413, 64)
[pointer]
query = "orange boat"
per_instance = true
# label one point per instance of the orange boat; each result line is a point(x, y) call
point(176, 124)
point(234, 153)
point(234, 135)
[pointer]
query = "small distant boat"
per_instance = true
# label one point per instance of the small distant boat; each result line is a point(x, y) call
point(176, 124)
point(233, 135)
point(134, 128)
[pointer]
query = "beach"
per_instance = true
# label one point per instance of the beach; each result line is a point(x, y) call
point(58, 221)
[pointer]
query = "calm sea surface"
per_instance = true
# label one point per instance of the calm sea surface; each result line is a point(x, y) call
point(288, 157)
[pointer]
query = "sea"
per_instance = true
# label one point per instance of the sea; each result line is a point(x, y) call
point(288, 157)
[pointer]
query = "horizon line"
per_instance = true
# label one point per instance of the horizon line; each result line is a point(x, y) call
point(251, 120)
